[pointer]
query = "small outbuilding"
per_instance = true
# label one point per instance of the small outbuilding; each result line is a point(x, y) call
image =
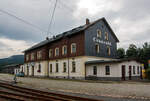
point(119, 69)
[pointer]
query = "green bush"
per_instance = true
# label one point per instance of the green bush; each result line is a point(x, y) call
point(148, 73)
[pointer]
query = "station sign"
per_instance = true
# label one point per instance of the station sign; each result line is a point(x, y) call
point(97, 40)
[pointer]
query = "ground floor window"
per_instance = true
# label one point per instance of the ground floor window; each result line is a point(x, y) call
point(64, 66)
point(50, 68)
point(133, 69)
point(107, 70)
point(57, 67)
point(94, 70)
point(138, 69)
point(39, 68)
point(73, 66)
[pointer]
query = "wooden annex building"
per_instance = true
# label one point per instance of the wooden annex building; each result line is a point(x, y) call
point(86, 52)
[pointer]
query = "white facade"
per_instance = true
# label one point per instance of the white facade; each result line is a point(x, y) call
point(115, 69)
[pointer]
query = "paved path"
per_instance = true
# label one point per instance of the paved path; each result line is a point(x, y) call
point(107, 89)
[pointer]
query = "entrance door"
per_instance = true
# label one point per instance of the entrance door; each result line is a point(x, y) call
point(95, 70)
point(141, 73)
point(123, 72)
point(32, 70)
point(130, 74)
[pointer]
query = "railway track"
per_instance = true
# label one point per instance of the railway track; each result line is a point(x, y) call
point(28, 94)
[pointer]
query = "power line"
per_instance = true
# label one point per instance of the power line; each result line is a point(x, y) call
point(49, 27)
point(20, 19)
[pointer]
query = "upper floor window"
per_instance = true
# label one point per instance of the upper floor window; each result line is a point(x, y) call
point(50, 53)
point(56, 51)
point(73, 66)
point(64, 65)
point(108, 50)
point(106, 35)
point(32, 56)
point(107, 70)
point(73, 48)
point(99, 33)
point(97, 48)
point(39, 54)
point(64, 50)
point(27, 57)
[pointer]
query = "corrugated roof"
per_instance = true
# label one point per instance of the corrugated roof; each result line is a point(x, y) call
point(70, 32)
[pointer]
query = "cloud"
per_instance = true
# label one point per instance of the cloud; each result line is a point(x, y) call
point(130, 20)
point(12, 47)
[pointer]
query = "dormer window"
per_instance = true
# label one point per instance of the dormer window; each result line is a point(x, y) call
point(50, 53)
point(56, 51)
point(97, 48)
point(64, 50)
point(106, 35)
point(99, 33)
point(73, 48)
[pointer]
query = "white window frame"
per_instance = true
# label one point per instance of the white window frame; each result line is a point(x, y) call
point(72, 48)
point(56, 51)
point(97, 51)
point(99, 33)
point(63, 50)
point(106, 35)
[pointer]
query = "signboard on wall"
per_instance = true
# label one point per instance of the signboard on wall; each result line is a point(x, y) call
point(97, 40)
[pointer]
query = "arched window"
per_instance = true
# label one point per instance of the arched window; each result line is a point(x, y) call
point(73, 48)
point(97, 48)
point(106, 35)
point(50, 53)
point(56, 51)
point(108, 50)
point(64, 50)
point(99, 33)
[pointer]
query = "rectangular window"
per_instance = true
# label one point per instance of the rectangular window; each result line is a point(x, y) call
point(99, 33)
point(57, 52)
point(51, 68)
point(97, 48)
point(73, 48)
point(94, 70)
point(133, 69)
point(64, 66)
point(108, 50)
point(73, 66)
point(106, 35)
point(57, 68)
point(39, 54)
point(64, 50)
point(107, 69)
point(27, 57)
point(32, 56)
point(138, 70)
point(50, 53)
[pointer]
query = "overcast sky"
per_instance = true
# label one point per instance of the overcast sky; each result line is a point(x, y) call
point(130, 20)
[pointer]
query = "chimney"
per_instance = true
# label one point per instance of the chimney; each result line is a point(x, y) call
point(87, 21)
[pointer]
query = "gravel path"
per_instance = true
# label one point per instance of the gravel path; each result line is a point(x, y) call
point(126, 89)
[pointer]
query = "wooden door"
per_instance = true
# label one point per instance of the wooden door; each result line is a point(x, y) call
point(123, 72)
point(130, 73)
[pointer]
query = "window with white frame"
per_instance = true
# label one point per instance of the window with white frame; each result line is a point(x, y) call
point(32, 56)
point(97, 48)
point(99, 33)
point(107, 70)
point(106, 35)
point(27, 57)
point(138, 70)
point(64, 50)
point(50, 53)
point(73, 66)
point(108, 50)
point(56, 51)
point(57, 68)
point(39, 54)
point(73, 48)
point(51, 68)
point(133, 69)
point(64, 67)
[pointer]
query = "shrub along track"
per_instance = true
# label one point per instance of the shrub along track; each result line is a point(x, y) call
point(28, 94)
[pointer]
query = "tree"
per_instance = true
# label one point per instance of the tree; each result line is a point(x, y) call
point(132, 51)
point(121, 53)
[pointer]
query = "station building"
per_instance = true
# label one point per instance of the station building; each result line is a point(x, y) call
point(86, 52)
